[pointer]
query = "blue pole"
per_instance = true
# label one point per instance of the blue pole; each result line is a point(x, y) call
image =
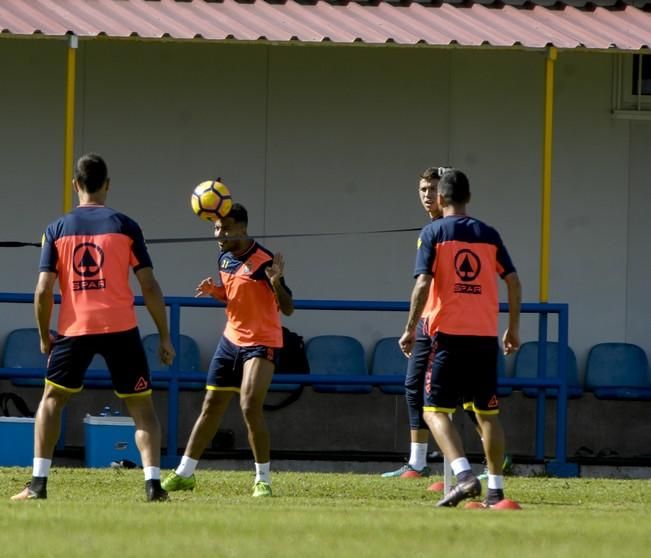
point(173, 391)
point(540, 399)
point(561, 411)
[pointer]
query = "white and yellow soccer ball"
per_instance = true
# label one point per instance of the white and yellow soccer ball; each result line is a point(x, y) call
point(211, 199)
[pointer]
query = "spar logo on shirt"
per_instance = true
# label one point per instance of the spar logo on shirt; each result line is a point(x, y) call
point(87, 262)
point(467, 266)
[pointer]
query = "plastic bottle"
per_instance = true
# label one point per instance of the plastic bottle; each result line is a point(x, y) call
point(105, 412)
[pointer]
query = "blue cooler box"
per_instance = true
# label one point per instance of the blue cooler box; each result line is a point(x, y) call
point(16, 441)
point(109, 439)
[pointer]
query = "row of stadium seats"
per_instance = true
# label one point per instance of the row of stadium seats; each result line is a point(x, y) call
point(616, 371)
point(613, 371)
point(21, 350)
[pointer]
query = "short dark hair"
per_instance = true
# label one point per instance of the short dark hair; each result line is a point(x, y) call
point(454, 186)
point(91, 172)
point(433, 173)
point(239, 214)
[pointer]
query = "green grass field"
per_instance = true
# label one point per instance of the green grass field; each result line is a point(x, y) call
point(102, 513)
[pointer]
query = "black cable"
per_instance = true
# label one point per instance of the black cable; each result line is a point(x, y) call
point(13, 244)
point(16, 244)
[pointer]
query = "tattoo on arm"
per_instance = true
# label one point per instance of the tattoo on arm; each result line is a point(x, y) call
point(418, 299)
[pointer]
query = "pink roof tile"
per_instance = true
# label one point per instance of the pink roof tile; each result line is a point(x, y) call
point(624, 27)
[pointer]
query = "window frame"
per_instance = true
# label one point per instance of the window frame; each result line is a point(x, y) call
point(626, 104)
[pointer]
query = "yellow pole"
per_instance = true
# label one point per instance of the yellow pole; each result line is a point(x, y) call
point(547, 175)
point(69, 142)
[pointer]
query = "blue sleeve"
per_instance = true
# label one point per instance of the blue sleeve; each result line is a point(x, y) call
point(426, 253)
point(504, 263)
point(139, 248)
point(218, 279)
point(261, 275)
point(49, 253)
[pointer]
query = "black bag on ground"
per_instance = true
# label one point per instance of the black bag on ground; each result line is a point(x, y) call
point(21, 408)
point(292, 360)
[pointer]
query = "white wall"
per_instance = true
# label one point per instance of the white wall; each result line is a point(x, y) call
point(330, 139)
point(638, 263)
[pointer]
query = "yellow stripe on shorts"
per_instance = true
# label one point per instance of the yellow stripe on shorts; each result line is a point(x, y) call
point(218, 388)
point(63, 388)
point(128, 395)
point(439, 410)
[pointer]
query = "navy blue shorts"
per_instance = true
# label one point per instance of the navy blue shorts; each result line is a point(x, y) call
point(415, 378)
point(227, 364)
point(122, 351)
point(462, 368)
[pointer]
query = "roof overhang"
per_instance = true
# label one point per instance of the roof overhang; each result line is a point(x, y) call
point(530, 26)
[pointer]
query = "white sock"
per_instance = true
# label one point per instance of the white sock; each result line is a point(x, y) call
point(41, 467)
point(186, 467)
point(263, 472)
point(459, 465)
point(495, 481)
point(418, 455)
point(152, 473)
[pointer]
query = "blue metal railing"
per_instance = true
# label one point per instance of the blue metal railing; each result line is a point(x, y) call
point(173, 375)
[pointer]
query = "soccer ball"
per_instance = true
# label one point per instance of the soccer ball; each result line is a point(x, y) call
point(211, 199)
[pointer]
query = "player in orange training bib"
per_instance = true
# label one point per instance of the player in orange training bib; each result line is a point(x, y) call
point(462, 257)
point(252, 285)
point(90, 251)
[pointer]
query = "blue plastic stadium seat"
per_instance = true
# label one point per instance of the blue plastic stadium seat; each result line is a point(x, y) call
point(188, 353)
point(98, 363)
point(526, 366)
point(618, 371)
point(502, 391)
point(22, 350)
point(388, 359)
point(340, 355)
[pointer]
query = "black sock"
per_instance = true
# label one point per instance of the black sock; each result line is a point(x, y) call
point(38, 484)
point(465, 475)
point(494, 495)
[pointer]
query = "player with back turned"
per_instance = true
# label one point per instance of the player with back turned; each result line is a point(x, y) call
point(90, 251)
point(462, 256)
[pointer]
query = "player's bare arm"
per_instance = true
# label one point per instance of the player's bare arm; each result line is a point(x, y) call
point(275, 273)
point(43, 302)
point(155, 304)
point(418, 299)
point(208, 287)
point(511, 339)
